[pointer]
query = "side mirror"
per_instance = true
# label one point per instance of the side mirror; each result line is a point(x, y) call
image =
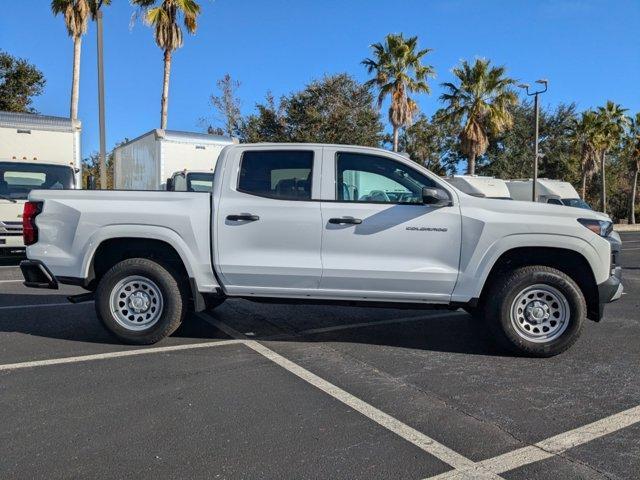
point(436, 197)
point(91, 182)
point(169, 184)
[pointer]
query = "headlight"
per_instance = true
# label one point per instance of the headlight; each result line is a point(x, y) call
point(599, 227)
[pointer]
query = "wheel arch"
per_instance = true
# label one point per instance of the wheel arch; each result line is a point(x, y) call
point(568, 261)
point(109, 251)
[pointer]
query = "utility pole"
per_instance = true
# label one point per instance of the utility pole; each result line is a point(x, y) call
point(103, 149)
point(536, 107)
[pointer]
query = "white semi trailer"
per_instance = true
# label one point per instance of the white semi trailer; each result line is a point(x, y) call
point(146, 162)
point(36, 152)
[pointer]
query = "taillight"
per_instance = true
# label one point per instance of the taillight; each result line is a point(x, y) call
point(29, 229)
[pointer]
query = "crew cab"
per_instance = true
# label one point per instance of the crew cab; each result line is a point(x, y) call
point(311, 223)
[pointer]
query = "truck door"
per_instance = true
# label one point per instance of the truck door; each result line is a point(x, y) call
point(268, 225)
point(379, 241)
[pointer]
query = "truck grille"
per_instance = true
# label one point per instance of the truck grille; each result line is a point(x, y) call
point(10, 229)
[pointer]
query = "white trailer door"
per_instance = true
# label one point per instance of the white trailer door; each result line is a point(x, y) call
point(379, 240)
point(268, 225)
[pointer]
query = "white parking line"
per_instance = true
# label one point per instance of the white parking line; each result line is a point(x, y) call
point(11, 281)
point(119, 354)
point(552, 446)
point(561, 443)
point(464, 468)
point(419, 439)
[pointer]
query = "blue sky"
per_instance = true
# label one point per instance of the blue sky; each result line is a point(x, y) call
point(588, 49)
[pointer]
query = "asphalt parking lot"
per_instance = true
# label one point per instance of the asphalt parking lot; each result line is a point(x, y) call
point(264, 391)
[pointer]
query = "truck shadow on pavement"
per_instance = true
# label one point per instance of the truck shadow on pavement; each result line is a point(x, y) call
point(460, 334)
point(52, 317)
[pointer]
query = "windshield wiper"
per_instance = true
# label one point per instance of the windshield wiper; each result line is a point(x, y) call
point(12, 200)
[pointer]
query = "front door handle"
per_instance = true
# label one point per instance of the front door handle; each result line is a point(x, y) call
point(345, 221)
point(245, 217)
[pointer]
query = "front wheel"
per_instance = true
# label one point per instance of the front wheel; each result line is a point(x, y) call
point(536, 311)
point(140, 301)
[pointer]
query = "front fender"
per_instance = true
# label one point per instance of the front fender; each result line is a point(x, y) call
point(474, 272)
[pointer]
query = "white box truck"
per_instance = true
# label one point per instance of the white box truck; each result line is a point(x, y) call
point(36, 152)
point(555, 192)
point(480, 186)
point(146, 162)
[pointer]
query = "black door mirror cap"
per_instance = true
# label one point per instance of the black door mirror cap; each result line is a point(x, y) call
point(436, 197)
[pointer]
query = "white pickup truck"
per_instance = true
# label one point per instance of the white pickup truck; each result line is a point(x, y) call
point(324, 223)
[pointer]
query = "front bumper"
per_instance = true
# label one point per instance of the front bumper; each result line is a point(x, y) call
point(610, 290)
point(37, 275)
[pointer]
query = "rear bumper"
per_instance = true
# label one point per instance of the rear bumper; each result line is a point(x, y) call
point(37, 275)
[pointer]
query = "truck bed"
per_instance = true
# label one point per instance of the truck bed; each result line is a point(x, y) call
point(182, 219)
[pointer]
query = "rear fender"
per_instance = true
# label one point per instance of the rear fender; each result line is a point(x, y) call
point(197, 264)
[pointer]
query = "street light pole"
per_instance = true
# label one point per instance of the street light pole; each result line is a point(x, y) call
point(536, 107)
point(103, 154)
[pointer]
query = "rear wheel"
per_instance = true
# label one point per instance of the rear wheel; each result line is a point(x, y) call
point(140, 301)
point(536, 311)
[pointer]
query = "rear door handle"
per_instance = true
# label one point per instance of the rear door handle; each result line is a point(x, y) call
point(345, 221)
point(245, 217)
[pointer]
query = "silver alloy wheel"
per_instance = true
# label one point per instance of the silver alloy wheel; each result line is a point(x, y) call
point(540, 313)
point(136, 303)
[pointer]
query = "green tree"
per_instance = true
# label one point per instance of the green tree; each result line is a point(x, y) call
point(227, 105)
point(164, 19)
point(612, 121)
point(398, 70)
point(335, 109)
point(480, 104)
point(76, 16)
point(20, 81)
point(509, 153)
point(583, 133)
point(266, 125)
point(632, 151)
point(432, 143)
point(91, 166)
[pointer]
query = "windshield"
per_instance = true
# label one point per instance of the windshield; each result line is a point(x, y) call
point(576, 202)
point(199, 182)
point(18, 179)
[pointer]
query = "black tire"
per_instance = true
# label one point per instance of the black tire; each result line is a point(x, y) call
point(499, 303)
point(170, 286)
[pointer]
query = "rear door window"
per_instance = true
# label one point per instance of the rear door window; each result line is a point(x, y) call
point(280, 174)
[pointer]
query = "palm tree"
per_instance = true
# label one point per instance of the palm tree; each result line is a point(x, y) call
point(632, 142)
point(96, 5)
point(584, 135)
point(164, 19)
point(76, 15)
point(398, 70)
point(480, 103)
point(612, 122)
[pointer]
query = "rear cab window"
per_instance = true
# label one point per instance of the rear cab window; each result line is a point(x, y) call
point(278, 174)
